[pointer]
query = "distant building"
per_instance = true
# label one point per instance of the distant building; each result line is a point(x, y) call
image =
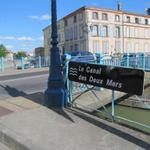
point(39, 51)
point(61, 38)
point(10, 55)
point(100, 30)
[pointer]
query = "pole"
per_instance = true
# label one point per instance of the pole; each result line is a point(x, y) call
point(113, 104)
point(55, 95)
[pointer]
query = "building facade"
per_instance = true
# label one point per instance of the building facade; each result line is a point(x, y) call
point(47, 38)
point(101, 30)
point(39, 51)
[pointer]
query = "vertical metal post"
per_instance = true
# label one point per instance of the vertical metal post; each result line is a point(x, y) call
point(100, 57)
point(128, 60)
point(56, 93)
point(2, 64)
point(144, 61)
point(39, 58)
point(113, 104)
point(68, 82)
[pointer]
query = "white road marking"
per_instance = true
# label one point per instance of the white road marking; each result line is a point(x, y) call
point(24, 78)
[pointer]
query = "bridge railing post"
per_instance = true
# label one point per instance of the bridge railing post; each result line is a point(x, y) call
point(128, 60)
point(113, 104)
point(39, 62)
point(68, 82)
point(144, 61)
point(22, 63)
point(2, 64)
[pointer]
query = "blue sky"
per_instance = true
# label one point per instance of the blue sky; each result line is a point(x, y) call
point(22, 21)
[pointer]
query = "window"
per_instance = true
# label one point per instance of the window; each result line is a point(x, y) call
point(145, 47)
point(95, 46)
point(117, 32)
point(132, 30)
point(71, 48)
point(146, 21)
point(128, 32)
point(95, 15)
point(76, 47)
point(75, 33)
point(66, 23)
point(104, 16)
point(128, 19)
point(58, 26)
point(71, 33)
point(82, 47)
point(136, 32)
point(137, 20)
point(117, 18)
point(80, 16)
point(95, 30)
point(136, 47)
point(128, 47)
point(66, 34)
point(81, 31)
point(104, 31)
point(59, 37)
point(146, 34)
point(74, 19)
point(117, 46)
point(105, 47)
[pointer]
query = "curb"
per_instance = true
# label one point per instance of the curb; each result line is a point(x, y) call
point(13, 143)
point(17, 143)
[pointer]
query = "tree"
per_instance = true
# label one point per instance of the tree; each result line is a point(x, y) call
point(20, 54)
point(3, 51)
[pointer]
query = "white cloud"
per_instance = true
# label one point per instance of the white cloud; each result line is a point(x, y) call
point(9, 46)
point(41, 18)
point(41, 38)
point(22, 38)
point(7, 37)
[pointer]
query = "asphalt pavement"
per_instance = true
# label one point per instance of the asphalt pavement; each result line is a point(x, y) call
point(22, 84)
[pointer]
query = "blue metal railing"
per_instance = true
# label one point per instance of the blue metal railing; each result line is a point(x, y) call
point(23, 63)
point(139, 62)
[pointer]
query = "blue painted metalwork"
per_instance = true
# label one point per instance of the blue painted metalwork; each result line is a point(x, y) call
point(2, 64)
point(139, 62)
point(144, 62)
point(55, 93)
point(39, 62)
point(22, 63)
point(113, 103)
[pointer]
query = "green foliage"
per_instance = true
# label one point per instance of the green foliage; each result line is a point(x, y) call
point(20, 54)
point(3, 51)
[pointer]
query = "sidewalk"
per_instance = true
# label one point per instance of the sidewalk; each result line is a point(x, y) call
point(27, 125)
point(14, 72)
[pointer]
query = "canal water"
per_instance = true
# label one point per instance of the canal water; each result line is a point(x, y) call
point(135, 114)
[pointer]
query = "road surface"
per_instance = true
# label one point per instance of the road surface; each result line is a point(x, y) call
point(23, 84)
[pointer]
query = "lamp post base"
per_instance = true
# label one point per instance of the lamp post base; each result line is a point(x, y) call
point(55, 98)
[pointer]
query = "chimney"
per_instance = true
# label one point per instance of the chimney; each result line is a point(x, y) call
point(119, 6)
point(148, 11)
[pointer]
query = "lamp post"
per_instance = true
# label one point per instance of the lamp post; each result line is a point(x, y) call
point(55, 93)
